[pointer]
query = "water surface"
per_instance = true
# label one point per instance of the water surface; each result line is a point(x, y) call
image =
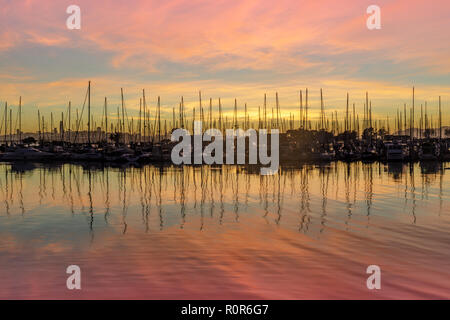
point(225, 232)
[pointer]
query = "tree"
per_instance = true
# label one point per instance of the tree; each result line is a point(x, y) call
point(382, 132)
point(115, 137)
point(29, 140)
point(368, 133)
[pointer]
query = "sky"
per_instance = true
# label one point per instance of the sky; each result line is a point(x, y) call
point(225, 48)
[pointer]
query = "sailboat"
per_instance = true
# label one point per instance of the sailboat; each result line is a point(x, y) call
point(27, 154)
point(428, 151)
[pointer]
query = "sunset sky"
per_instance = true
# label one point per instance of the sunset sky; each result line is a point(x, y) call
point(225, 48)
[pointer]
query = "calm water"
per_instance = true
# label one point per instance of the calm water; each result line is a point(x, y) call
point(220, 233)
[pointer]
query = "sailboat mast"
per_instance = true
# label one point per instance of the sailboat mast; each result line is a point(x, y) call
point(39, 125)
point(173, 118)
point(322, 117)
point(144, 110)
point(337, 121)
point(421, 121)
point(388, 129)
point(118, 124)
point(106, 120)
point(61, 127)
point(89, 113)
point(367, 110)
point(159, 119)
point(182, 114)
point(20, 119)
point(277, 110)
point(440, 119)
point(426, 117)
point(301, 110)
point(43, 129)
point(412, 117)
point(346, 116)
point(404, 116)
point(69, 128)
point(210, 113)
point(140, 120)
point(220, 116)
point(200, 105)
point(10, 125)
point(51, 127)
point(259, 117)
point(6, 122)
point(245, 116)
point(235, 124)
point(193, 119)
point(306, 110)
point(123, 115)
point(265, 111)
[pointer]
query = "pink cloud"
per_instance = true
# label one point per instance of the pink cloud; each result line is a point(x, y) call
point(232, 34)
point(309, 43)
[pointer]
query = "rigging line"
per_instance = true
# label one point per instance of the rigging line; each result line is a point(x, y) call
point(81, 116)
point(17, 120)
point(1, 124)
point(127, 119)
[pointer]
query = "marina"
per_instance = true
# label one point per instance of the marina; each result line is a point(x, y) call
point(304, 140)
